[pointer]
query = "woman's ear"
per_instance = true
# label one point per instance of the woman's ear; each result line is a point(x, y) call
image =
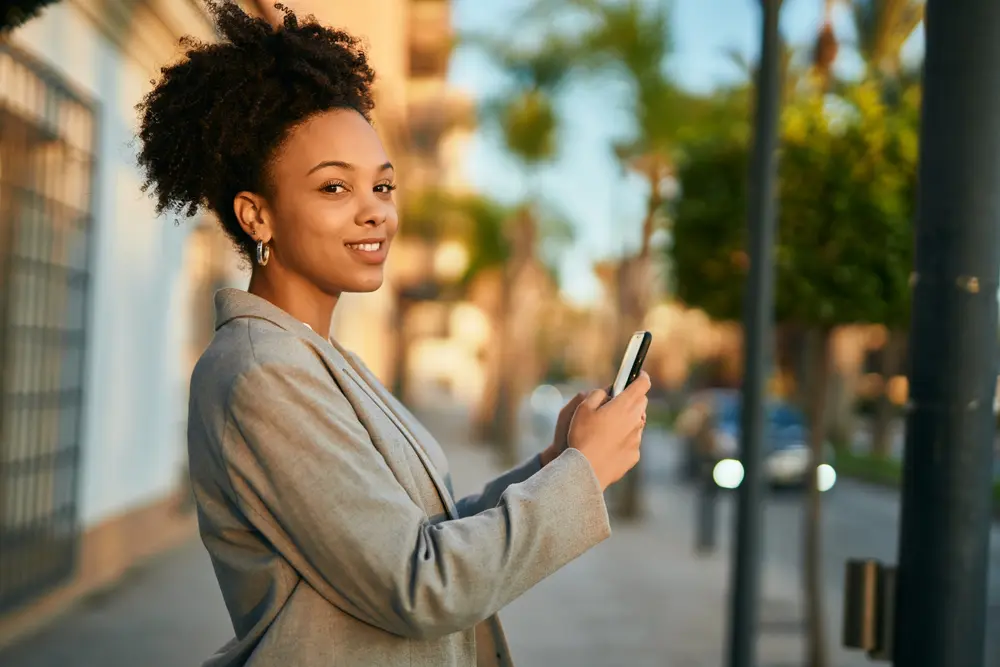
point(250, 210)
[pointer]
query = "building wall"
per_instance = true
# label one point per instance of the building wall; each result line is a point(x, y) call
point(131, 448)
point(140, 339)
point(150, 279)
point(140, 311)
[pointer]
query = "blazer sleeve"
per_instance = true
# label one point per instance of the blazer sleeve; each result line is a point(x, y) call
point(308, 476)
point(493, 491)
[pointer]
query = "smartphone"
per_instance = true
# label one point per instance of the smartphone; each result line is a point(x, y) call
point(635, 354)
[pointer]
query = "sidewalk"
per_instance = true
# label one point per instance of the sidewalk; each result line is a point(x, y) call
point(641, 598)
point(167, 613)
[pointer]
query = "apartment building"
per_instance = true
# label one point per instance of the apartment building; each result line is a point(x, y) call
point(104, 307)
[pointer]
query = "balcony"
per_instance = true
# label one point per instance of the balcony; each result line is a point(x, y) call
point(431, 116)
point(430, 36)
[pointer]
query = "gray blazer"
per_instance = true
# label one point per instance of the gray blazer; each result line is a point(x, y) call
point(328, 512)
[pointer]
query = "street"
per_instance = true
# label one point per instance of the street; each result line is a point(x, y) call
point(641, 598)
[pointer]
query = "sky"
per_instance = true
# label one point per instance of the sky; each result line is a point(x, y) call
point(585, 184)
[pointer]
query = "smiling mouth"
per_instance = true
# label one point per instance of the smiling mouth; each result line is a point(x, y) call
point(366, 247)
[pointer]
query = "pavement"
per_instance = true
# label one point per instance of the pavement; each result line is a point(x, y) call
point(641, 598)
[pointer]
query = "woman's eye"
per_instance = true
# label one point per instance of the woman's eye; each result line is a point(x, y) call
point(334, 188)
point(385, 188)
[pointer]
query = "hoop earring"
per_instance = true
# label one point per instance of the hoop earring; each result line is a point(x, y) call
point(263, 253)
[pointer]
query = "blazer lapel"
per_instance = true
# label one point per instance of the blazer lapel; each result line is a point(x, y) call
point(233, 303)
point(358, 375)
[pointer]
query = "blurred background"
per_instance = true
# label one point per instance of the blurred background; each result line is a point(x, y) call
point(570, 171)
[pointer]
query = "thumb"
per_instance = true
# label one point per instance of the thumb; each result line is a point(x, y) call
point(595, 399)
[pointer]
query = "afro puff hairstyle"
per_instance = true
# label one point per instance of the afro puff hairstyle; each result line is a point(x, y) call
point(212, 123)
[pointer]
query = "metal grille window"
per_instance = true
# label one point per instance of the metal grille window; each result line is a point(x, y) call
point(46, 171)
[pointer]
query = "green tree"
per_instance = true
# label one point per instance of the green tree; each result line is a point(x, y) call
point(843, 255)
point(883, 27)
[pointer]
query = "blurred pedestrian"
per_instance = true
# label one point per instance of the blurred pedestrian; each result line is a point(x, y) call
point(325, 506)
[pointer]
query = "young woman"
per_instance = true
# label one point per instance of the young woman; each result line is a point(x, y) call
point(325, 506)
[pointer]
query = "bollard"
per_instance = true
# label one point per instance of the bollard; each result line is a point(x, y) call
point(869, 608)
point(707, 509)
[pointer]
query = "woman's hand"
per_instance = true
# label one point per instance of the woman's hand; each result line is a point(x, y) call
point(560, 439)
point(608, 432)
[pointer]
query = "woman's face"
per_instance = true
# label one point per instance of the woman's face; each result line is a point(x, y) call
point(331, 216)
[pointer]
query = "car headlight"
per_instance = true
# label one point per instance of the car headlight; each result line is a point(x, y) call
point(826, 477)
point(728, 473)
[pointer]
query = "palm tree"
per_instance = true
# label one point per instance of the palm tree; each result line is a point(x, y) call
point(526, 117)
point(481, 225)
point(825, 49)
point(883, 27)
point(633, 38)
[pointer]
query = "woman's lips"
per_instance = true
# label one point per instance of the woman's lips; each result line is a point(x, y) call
point(370, 252)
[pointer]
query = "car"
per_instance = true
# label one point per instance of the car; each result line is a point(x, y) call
point(786, 438)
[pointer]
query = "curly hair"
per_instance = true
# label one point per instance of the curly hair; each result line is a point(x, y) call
point(213, 122)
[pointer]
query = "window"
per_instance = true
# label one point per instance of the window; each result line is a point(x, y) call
point(46, 172)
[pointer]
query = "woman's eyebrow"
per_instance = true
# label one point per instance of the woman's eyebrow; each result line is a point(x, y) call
point(345, 165)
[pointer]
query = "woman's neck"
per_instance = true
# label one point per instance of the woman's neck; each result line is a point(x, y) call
point(297, 297)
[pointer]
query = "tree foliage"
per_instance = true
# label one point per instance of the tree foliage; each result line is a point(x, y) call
point(524, 111)
point(846, 200)
point(709, 234)
point(530, 125)
point(847, 197)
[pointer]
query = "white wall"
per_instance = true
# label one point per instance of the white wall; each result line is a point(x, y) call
point(132, 447)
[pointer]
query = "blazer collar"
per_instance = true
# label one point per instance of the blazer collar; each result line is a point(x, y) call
point(233, 303)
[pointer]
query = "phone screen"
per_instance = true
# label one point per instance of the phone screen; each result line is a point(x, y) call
point(632, 360)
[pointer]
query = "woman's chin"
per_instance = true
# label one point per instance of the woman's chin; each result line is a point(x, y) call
point(366, 284)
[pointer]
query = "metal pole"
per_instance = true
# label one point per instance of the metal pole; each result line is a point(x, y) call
point(758, 328)
point(947, 476)
point(707, 510)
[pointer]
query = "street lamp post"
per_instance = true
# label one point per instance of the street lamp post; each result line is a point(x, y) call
point(948, 465)
point(757, 328)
